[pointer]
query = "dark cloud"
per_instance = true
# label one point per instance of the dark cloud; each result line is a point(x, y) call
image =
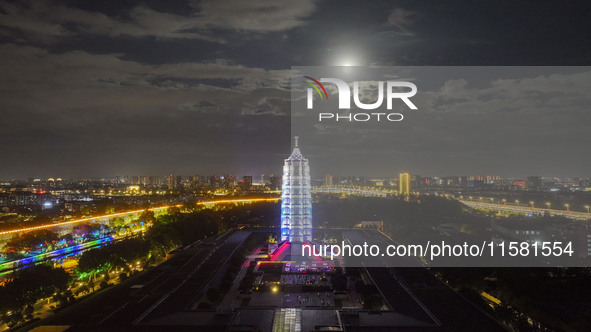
point(483, 120)
point(93, 88)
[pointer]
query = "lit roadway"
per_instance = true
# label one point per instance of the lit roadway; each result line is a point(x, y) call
point(386, 192)
point(112, 215)
point(348, 190)
point(76, 221)
point(526, 209)
point(10, 266)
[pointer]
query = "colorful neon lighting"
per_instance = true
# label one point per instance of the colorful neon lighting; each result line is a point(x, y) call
point(296, 199)
point(71, 222)
point(280, 250)
point(60, 253)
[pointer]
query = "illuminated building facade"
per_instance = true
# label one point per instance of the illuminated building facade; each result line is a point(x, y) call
point(171, 182)
point(404, 183)
point(296, 198)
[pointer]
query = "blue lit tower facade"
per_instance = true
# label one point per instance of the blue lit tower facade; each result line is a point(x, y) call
point(296, 198)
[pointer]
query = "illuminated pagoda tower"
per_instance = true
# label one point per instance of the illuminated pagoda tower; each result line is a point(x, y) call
point(296, 199)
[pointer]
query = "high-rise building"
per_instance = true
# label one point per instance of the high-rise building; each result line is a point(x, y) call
point(404, 183)
point(214, 181)
point(229, 181)
point(171, 182)
point(533, 182)
point(327, 180)
point(247, 180)
point(417, 181)
point(156, 181)
point(275, 182)
point(296, 198)
point(195, 181)
point(463, 181)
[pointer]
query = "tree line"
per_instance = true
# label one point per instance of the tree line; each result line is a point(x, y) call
point(19, 294)
point(167, 232)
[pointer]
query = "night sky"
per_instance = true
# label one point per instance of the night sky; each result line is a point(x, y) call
point(90, 88)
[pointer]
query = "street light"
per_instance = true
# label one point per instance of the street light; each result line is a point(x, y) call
point(532, 204)
point(504, 201)
point(587, 207)
point(567, 208)
point(517, 202)
point(548, 205)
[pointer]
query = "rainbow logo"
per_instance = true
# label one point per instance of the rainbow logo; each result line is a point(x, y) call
point(318, 84)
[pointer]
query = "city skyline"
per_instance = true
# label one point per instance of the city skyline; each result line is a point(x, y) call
point(256, 177)
point(263, 165)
